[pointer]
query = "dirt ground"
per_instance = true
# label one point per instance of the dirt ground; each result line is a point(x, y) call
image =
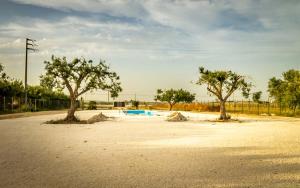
point(143, 151)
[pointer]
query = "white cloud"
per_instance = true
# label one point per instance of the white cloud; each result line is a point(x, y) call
point(131, 8)
point(171, 39)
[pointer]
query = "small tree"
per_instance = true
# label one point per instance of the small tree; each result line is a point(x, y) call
point(286, 90)
point(135, 103)
point(92, 105)
point(223, 84)
point(256, 96)
point(173, 96)
point(79, 76)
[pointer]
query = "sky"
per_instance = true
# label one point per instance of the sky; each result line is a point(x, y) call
point(155, 44)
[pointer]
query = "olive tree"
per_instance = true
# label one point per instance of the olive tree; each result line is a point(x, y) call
point(172, 96)
point(222, 84)
point(78, 77)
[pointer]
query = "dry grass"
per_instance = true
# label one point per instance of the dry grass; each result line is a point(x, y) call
point(187, 107)
point(240, 107)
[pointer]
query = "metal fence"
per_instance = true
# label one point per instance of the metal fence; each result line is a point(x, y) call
point(268, 108)
point(235, 107)
point(17, 104)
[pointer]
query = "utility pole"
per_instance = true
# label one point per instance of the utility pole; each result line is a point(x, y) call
point(30, 46)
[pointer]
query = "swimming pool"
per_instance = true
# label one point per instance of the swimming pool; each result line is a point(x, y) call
point(138, 112)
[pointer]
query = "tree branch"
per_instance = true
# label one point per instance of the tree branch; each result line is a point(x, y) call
point(213, 92)
point(233, 88)
point(83, 91)
point(78, 82)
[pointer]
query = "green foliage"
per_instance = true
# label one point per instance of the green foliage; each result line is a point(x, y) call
point(79, 76)
point(70, 75)
point(135, 103)
point(92, 105)
point(39, 92)
point(173, 96)
point(256, 96)
point(3, 75)
point(286, 90)
point(15, 88)
point(222, 84)
point(9, 86)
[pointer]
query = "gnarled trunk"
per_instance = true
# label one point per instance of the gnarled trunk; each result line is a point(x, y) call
point(71, 111)
point(170, 106)
point(223, 115)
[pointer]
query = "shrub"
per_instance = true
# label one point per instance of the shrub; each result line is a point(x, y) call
point(92, 105)
point(135, 104)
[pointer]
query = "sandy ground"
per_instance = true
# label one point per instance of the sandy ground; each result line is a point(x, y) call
point(29, 114)
point(142, 151)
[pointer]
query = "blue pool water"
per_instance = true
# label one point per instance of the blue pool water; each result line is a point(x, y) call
point(138, 112)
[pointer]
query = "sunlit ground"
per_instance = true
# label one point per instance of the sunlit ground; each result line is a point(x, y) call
point(143, 151)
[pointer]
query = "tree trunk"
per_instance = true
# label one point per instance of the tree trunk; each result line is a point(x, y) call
point(71, 111)
point(223, 115)
point(171, 106)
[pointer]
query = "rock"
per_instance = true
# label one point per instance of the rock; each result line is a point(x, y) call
point(176, 116)
point(97, 118)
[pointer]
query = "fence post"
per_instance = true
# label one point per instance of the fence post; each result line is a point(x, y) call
point(234, 106)
point(35, 105)
point(19, 104)
point(279, 107)
point(30, 104)
point(269, 108)
point(12, 104)
point(4, 103)
point(242, 106)
point(249, 106)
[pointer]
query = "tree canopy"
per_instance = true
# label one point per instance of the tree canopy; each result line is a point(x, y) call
point(287, 89)
point(9, 86)
point(135, 103)
point(256, 96)
point(172, 96)
point(14, 88)
point(222, 84)
point(40, 92)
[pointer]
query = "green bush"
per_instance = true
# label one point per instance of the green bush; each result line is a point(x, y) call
point(135, 104)
point(92, 105)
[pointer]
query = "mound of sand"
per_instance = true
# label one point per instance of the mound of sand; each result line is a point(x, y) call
point(176, 116)
point(97, 118)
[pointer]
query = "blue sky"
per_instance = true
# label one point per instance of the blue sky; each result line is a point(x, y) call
point(155, 44)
